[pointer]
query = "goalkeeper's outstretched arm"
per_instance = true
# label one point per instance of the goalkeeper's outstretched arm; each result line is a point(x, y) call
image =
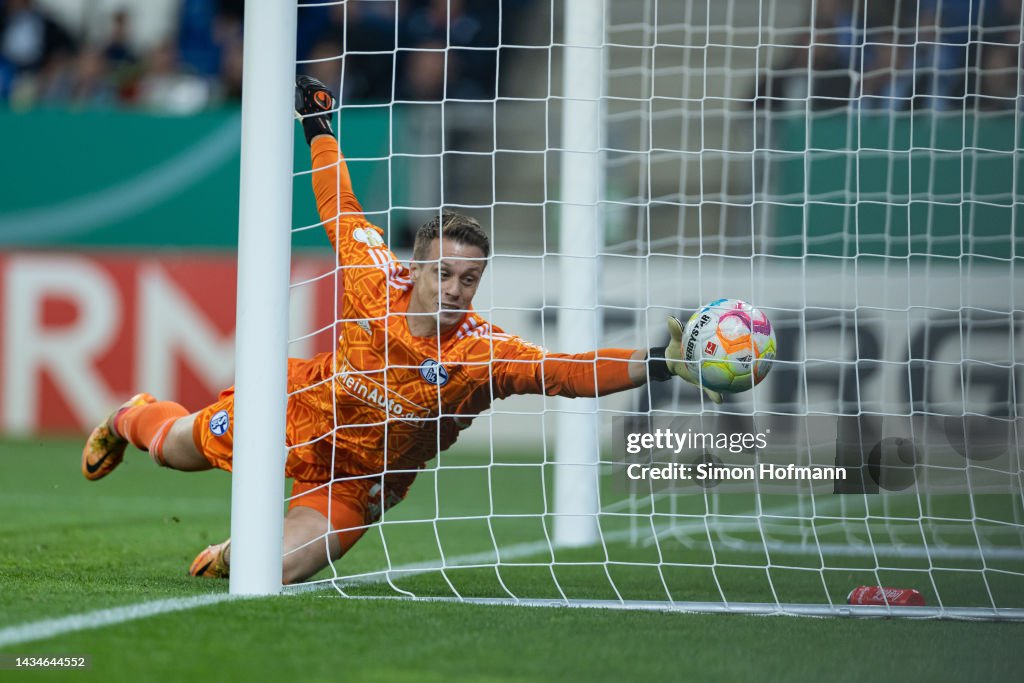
point(332, 184)
point(522, 368)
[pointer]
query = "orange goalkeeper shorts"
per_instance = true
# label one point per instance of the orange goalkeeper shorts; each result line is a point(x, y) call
point(309, 454)
point(352, 504)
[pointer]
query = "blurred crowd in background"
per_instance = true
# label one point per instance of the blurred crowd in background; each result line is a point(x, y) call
point(879, 55)
point(44, 61)
point(902, 56)
point(472, 28)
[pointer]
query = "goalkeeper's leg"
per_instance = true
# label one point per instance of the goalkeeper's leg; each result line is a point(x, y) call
point(324, 520)
point(158, 427)
point(307, 548)
point(176, 439)
point(320, 527)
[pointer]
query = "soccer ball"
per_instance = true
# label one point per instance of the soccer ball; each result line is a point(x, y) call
point(732, 344)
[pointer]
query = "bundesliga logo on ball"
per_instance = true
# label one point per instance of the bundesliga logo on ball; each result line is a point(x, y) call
point(731, 343)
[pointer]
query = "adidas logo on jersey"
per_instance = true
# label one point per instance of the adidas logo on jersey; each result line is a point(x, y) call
point(364, 325)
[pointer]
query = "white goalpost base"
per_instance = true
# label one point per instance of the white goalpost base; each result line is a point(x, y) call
point(748, 608)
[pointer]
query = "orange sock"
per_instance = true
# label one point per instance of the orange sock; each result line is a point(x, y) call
point(156, 445)
point(146, 426)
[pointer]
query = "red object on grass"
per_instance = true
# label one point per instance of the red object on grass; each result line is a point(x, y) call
point(876, 595)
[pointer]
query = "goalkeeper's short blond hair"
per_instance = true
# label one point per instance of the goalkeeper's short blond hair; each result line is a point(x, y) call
point(450, 226)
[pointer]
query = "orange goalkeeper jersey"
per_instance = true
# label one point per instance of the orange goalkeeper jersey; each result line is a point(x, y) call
point(397, 399)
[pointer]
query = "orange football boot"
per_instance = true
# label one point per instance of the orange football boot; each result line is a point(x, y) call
point(211, 563)
point(104, 450)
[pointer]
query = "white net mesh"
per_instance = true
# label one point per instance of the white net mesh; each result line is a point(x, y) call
point(852, 169)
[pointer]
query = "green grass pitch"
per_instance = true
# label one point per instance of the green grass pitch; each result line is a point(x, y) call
point(71, 547)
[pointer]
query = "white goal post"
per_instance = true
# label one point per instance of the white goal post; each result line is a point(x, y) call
point(580, 241)
point(854, 170)
point(264, 265)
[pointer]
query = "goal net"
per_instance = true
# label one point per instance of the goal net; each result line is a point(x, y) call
point(852, 169)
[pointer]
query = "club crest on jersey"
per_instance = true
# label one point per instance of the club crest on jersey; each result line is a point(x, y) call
point(433, 372)
point(219, 423)
point(367, 236)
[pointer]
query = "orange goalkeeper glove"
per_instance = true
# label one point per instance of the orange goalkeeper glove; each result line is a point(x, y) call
point(314, 104)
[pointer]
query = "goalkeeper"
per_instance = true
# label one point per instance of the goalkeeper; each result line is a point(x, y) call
point(414, 364)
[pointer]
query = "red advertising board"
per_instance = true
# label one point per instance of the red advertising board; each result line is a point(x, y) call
point(82, 332)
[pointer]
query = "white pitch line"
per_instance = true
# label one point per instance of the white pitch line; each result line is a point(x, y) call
point(489, 557)
point(48, 628)
point(486, 557)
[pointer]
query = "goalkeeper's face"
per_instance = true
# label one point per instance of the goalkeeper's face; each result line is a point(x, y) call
point(445, 282)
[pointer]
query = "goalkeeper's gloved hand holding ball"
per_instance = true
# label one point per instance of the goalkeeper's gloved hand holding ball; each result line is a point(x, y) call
point(665, 363)
point(314, 104)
